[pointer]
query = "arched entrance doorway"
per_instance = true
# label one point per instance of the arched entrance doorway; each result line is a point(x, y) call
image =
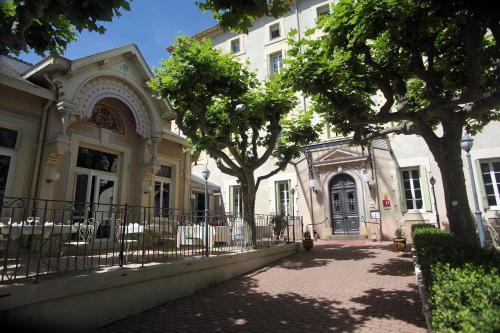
point(344, 205)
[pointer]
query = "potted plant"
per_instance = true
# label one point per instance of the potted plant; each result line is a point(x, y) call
point(279, 223)
point(307, 242)
point(399, 240)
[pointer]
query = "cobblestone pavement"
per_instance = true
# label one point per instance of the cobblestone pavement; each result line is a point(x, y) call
point(336, 287)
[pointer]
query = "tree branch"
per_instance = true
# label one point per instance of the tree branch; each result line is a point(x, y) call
point(483, 105)
point(270, 174)
point(226, 169)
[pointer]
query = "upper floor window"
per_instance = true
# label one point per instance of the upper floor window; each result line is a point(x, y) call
point(275, 62)
point(235, 46)
point(413, 189)
point(274, 31)
point(490, 172)
point(322, 11)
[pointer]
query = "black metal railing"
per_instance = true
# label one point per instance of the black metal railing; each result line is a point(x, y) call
point(44, 238)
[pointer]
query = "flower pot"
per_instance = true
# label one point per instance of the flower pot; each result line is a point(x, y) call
point(399, 244)
point(308, 244)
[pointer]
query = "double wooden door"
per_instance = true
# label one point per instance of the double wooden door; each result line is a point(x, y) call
point(344, 205)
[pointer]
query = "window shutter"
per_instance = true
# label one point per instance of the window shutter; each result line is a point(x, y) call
point(231, 199)
point(425, 188)
point(401, 187)
point(480, 185)
point(277, 197)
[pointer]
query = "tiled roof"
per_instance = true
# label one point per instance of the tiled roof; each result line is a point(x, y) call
point(13, 67)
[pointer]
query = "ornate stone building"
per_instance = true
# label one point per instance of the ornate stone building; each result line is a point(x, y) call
point(89, 130)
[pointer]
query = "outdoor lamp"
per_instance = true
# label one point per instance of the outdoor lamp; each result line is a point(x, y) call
point(313, 184)
point(466, 142)
point(53, 177)
point(365, 176)
point(466, 145)
point(206, 173)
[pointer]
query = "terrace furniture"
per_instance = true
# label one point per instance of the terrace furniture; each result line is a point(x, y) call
point(86, 233)
point(194, 235)
point(121, 237)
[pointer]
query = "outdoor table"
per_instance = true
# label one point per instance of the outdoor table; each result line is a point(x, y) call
point(194, 235)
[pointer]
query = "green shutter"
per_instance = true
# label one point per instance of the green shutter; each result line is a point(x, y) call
point(401, 187)
point(277, 197)
point(231, 201)
point(480, 185)
point(425, 188)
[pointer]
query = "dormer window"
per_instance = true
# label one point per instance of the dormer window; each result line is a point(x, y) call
point(274, 31)
point(235, 46)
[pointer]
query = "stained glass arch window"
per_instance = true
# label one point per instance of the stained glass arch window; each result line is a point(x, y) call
point(103, 116)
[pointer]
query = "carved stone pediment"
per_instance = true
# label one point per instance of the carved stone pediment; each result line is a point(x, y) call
point(339, 156)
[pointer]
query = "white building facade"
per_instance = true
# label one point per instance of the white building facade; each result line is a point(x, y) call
point(337, 187)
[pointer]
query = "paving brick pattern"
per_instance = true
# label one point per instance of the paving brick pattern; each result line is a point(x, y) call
point(336, 287)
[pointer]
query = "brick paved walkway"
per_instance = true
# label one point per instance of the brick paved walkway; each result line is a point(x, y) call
point(337, 287)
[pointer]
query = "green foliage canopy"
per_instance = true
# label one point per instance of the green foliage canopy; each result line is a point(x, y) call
point(49, 25)
point(240, 15)
point(221, 107)
point(433, 61)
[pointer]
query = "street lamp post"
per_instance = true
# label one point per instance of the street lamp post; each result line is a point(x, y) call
point(206, 174)
point(433, 182)
point(466, 145)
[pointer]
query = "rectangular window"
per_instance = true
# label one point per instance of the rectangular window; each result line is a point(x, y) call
point(162, 191)
point(165, 171)
point(235, 46)
point(8, 138)
point(490, 172)
point(235, 200)
point(284, 200)
point(274, 31)
point(96, 160)
point(162, 198)
point(322, 11)
point(412, 188)
point(276, 62)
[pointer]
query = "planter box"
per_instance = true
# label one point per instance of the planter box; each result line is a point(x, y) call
point(422, 290)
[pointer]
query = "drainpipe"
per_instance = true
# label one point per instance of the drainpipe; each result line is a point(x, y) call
point(41, 137)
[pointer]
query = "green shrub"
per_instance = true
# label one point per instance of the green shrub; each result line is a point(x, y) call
point(421, 226)
point(434, 246)
point(465, 299)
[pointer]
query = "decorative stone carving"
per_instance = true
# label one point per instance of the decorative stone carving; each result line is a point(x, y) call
point(68, 116)
point(102, 87)
point(106, 117)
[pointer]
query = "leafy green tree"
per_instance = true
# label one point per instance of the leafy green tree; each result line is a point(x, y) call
point(49, 25)
point(223, 109)
point(240, 15)
point(436, 63)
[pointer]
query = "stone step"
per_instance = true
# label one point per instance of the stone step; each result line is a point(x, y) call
point(347, 237)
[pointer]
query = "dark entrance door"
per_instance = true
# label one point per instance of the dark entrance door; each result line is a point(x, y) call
point(344, 205)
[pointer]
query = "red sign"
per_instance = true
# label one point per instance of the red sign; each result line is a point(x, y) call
point(386, 203)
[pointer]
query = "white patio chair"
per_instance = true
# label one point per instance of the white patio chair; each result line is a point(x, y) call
point(495, 239)
point(86, 234)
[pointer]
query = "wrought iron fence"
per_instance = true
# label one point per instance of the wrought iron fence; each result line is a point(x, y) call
point(45, 238)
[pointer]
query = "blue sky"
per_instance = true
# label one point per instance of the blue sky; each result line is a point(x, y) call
point(151, 24)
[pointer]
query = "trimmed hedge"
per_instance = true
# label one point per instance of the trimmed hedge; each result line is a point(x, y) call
point(465, 299)
point(420, 226)
point(457, 301)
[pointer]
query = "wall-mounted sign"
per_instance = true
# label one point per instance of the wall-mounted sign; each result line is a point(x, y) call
point(386, 203)
point(375, 214)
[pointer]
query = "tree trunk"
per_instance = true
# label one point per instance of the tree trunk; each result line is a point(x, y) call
point(448, 155)
point(249, 192)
